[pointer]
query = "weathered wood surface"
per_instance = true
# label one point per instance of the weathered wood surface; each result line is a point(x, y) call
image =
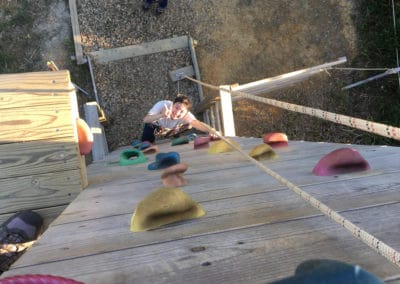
point(50, 81)
point(40, 165)
point(112, 54)
point(255, 230)
point(76, 32)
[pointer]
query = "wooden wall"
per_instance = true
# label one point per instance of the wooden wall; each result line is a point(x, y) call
point(40, 165)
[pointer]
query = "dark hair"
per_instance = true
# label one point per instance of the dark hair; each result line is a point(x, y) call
point(183, 99)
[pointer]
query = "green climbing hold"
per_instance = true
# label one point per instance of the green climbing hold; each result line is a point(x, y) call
point(131, 157)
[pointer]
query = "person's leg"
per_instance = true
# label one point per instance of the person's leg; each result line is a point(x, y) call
point(148, 133)
point(146, 4)
point(162, 5)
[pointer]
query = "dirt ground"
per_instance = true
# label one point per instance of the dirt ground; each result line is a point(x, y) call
point(239, 41)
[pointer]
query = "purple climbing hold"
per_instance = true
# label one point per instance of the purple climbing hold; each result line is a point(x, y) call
point(341, 161)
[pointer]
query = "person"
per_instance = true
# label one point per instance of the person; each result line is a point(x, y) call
point(167, 118)
point(329, 271)
point(162, 5)
point(17, 234)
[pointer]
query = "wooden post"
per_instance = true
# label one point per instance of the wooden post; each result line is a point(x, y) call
point(227, 113)
point(76, 33)
point(100, 148)
point(218, 117)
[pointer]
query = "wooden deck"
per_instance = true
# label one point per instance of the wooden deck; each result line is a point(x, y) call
point(254, 231)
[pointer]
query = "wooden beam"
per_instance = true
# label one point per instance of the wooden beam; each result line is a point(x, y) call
point(76, 33)
point(284, 80)
point(227, 112)
point(108, 55)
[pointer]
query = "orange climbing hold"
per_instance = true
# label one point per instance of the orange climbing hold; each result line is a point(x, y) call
point(85, 137)
point(173, 176)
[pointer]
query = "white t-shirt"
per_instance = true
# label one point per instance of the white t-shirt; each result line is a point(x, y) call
point(168, 122)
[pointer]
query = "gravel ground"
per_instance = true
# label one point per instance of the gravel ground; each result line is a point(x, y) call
point(239, 41)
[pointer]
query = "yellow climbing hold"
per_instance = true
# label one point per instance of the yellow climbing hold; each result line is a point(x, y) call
point(262, 152)
point(164, 206)
point(221, 146)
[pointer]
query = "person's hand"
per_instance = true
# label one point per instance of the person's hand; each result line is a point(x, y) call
point(166, 112)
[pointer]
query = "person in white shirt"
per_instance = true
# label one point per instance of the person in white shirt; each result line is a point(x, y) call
point(170, 118)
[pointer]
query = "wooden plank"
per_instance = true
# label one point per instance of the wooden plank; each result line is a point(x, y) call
point(180, 73)
point(192, 50)
point(259, 253)
point(278, 82)
point(38, 123)
point(49, 81)
point(107, 55)
point(37, 157)
point(10, 100)
point(39, 191)
point(76, 33)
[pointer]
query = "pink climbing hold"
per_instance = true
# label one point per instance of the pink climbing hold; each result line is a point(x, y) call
point(341, 161)
point(276, 139)
point(201, 142)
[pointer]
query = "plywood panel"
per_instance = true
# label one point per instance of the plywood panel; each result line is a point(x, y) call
point(37, 157)
point(50, 81)
point(39, 191)
point(9, 100)
point(37, 123)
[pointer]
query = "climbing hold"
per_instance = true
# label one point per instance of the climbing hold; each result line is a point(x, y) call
point(173, 176)
point(341, 161)
point(221, 147)
point(262, 152)
point(85, 137)
point(276, 139)
point(164, 160)
point(151, 150)
point(164, 206)
point(180, 141)
point(202, 142)
point(131, 157)
point(141, 145)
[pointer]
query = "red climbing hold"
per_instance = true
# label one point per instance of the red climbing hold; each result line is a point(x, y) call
point(341, 161)
point(201, 142)
point(276, 139)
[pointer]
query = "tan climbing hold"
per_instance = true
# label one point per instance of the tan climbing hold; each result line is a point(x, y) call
point(263, 152)
point(221, 146)
point(173, 176)
point(164, 206)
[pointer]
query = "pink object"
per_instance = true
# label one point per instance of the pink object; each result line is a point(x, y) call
point(37, 279)
point(202, 142)
point(276, 139)
point(341, 161)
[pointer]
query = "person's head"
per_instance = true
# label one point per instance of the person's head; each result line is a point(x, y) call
point(181, 106)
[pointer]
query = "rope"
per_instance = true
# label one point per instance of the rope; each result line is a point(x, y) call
point(365, 125)
point(377, 245)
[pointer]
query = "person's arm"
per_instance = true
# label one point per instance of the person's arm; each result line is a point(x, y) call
point(197, 124)
point(165, 112)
